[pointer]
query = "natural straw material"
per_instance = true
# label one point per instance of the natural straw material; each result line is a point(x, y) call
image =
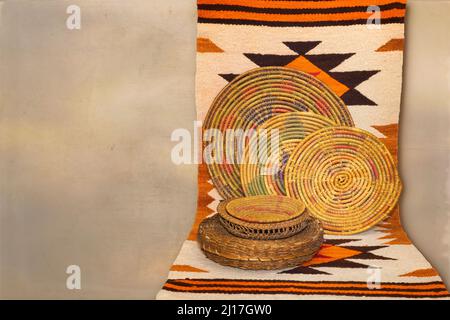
point(346, 177)
point(265, 209)
point(227, 249)
point(254, 97)
point(291, 225)
point(292, 127)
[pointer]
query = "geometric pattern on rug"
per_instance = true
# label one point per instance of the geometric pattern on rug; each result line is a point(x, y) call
point(334, 254)
point(320, 66)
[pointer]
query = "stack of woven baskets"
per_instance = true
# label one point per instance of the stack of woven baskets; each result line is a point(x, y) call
point(345, 176)
point(261, 232)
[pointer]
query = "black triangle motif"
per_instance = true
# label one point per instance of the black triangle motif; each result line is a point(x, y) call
point(353, 78)
point(343, 263)
point(371, 256)
point(303, 270)
point(228, 76)
point(337, 242)
point(302, 47)
point(355, 98)
point(365, 248)
point(366, 253)
point(268, 60)
point(327, 62)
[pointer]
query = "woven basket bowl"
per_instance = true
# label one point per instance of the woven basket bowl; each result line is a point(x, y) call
point(268, 178)
point(224, 248)
point(346, 177)
point(265, 209)
point(263, 230)
point(251, 99)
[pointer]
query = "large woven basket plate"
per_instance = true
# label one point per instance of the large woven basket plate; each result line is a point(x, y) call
point(268, 178)
point(261, 231)
point(251, 99)
point(346, 177)
point(227, 249)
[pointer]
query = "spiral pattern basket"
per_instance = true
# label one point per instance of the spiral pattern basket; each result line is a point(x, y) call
point(262, 231)
point(229, 250)
point(268, 178)
point(346, 177)
point(251, 99)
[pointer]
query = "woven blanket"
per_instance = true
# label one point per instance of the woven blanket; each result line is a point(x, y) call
point(356, 48)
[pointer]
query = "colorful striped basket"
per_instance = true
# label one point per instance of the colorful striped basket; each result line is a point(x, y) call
point(251, 99)
point(292, 127)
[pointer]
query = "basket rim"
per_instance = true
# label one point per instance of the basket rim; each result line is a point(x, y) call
point(253, 209)
point(225, 214)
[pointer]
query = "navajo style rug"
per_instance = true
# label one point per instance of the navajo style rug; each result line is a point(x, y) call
point(362, 63)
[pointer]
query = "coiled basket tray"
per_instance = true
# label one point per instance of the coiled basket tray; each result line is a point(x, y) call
point(226, 249)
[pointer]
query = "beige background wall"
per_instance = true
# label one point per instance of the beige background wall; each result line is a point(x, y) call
point(85, 123)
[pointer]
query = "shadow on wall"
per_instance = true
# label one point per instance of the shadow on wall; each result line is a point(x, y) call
point(424, 131)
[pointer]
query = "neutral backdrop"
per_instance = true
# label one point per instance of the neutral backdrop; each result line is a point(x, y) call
point(85, 123)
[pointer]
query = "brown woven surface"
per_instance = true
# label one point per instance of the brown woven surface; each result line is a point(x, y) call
point(227, 249)
point(292, 128)
point(258, 265)
point(346, 177)
point(256, 96)
point(261, 231)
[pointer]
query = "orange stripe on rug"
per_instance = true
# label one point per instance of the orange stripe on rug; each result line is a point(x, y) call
point(409, 286)
point(301, 4)
point(367, 292)
point(240, 15)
